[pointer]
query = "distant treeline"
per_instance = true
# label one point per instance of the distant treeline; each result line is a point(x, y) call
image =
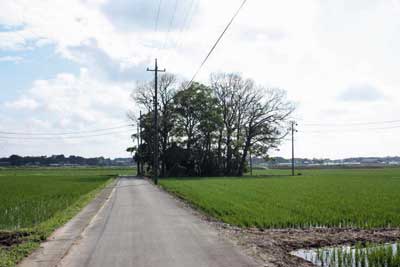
point(61, 160)
point(280, 160)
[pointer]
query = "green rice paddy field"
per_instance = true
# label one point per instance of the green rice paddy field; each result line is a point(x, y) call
point(362, 198)
point(35, 201)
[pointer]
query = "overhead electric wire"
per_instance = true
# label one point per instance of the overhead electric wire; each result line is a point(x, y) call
point(350, 123)
point(171, 23)
point(65, 133)
point(195, 7)
point(217, 42)
point(62, 137)
point(158, 15)
point(189, 14)
point(351, 130)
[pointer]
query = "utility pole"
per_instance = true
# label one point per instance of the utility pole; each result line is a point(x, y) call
point(155, 167)
point(138, 150)
point(293, 131)
point(251, 163)
point(140, 144)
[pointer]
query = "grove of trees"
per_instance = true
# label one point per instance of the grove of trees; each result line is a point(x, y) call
point(209, 130)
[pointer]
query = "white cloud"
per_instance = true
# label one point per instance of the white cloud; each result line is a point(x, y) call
point(22, 103)
point(81, 98)
point(67, 104)
point(314, 49)
point(363, 93)
point(11, 59)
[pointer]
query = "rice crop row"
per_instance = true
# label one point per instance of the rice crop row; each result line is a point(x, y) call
point(31, 196)
point(369, 255)
point(362, 198)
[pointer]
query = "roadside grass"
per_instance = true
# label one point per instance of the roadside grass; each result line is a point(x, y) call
point(357, 198)
point(36, 201)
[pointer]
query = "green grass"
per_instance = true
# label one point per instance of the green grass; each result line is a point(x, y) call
point(362, 198)
point(39, 200)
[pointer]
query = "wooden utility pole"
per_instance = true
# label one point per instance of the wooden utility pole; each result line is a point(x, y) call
point(155, 150)
point(251, 163)
point(293, 131)
point(138, 150)
point(141, 170)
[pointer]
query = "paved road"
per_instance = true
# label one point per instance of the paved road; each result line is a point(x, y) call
point(142, 226)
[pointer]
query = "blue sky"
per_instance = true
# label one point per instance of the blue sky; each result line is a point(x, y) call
point(37, 64)
point(72, 65)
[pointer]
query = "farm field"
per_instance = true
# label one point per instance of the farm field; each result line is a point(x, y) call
point(35, 201)
point(359, 198)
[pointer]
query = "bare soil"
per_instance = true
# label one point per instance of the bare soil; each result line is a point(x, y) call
point(9, 238)
point(273, 247)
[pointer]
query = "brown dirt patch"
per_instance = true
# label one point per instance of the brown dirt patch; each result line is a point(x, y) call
point(9, 238)
point(273, 246)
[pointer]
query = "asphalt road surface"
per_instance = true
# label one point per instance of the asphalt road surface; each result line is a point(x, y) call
point(140, 225)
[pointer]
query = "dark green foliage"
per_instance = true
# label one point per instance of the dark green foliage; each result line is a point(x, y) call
point(210, 130)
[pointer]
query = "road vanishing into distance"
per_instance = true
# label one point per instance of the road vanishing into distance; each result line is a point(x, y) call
point(141, 225)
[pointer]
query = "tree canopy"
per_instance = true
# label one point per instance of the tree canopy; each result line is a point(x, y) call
point(210, 130)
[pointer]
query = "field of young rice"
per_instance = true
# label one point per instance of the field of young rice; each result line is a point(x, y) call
point(31, 196)
point(36, 201)
point(363, 198)
point(360, 255)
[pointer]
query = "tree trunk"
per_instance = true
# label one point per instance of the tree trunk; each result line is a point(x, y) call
point(138, 167)
point(220, 165)
point(244, 157)
point(164, 151)
point(228, 153)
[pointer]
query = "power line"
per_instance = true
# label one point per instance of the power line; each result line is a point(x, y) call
point(217, 42)
point(350, 123)
point(158, 15)
point(189, 14)
point(353, 130)
point(66, 133)
point(193, 12)
point(170, 23)
point(62, 137)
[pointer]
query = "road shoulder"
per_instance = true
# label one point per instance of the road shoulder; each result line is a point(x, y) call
point(57, 245)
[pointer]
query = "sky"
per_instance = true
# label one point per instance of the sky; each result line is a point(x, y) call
point(70, 66)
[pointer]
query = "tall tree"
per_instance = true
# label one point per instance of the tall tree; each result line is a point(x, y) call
point(209, 130)
point(265, 123)
point(231, 90)
point(197, 120)
point(144, 95)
